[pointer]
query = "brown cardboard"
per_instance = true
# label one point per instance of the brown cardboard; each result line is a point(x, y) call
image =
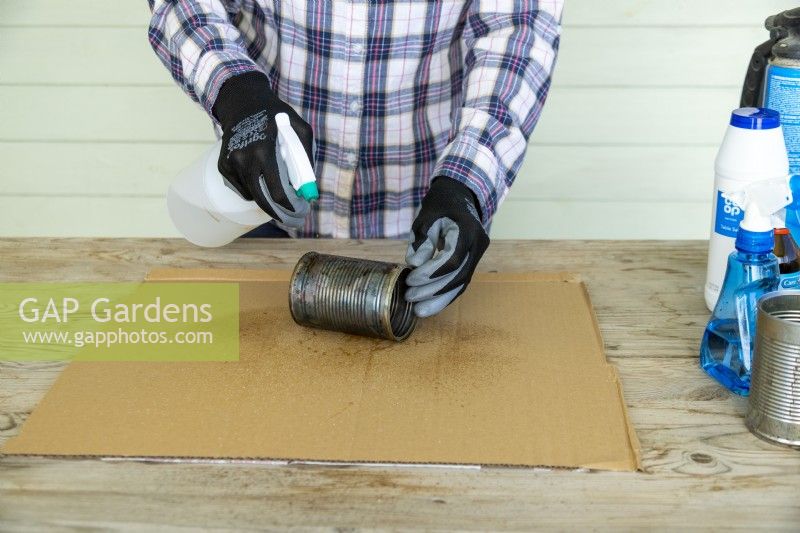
point(513, 373)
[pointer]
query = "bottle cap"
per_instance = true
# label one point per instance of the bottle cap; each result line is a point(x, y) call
point(755, 233)
point(754, 242)
point(755, 118)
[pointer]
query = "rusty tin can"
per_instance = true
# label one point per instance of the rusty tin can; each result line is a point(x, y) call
point(351, 295)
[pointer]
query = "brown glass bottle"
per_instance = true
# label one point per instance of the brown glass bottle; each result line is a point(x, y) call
point(787, 251)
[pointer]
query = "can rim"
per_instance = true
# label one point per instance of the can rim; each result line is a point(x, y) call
point(768, 314)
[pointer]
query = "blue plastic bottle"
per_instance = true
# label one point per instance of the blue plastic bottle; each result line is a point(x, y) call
point(726, 352)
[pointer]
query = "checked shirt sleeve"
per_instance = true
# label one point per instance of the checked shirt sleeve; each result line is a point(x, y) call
point(199, 45)
point(509, 53)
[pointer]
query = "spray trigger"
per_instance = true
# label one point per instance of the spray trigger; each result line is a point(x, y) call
point(760, 200)
point(295, 158)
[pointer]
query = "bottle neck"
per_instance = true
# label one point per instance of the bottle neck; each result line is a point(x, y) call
point(754, 242)
point(755, 256)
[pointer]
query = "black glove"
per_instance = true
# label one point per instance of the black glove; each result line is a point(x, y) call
point(246, 109)
point(448, 222)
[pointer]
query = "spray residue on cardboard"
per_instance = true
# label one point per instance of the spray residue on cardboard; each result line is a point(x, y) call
point(513, 373)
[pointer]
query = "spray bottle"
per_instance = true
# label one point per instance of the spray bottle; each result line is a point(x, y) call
point(208, 211)
point(726, 352)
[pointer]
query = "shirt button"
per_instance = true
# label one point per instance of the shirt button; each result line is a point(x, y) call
point(356, 48)
point(355, 106)
point(351, 159)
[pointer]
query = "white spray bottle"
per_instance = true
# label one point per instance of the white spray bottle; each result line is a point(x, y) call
point(208, 212)
point(752, 150)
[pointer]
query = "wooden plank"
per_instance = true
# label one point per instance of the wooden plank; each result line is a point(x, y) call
point(588, 173)
point(93, 169)
point(130, 259)
point(576, 12)
point(603, 116)
point(655, 57)
point(97, 56)
point(89, 494)
point(104, 114)
point(662, 56)
point(691, 450)
point(615, 173)
point(646, 116)
point(42, 216)
point(567, 219)
point(702, 468)
point(99, 216)
point(74, 13)
point(639, 13)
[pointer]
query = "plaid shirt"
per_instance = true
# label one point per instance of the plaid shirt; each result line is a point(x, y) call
point(397, 92)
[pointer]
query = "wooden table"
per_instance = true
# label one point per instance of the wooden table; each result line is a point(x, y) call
point(701, 466)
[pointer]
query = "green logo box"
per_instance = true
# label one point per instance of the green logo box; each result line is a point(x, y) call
point(153, 321)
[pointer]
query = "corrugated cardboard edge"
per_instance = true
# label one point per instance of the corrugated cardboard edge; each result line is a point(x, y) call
point(611, 466)
point(633, 439)
point(240, 275)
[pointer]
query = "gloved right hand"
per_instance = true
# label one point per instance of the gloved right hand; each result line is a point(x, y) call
point(245, 108)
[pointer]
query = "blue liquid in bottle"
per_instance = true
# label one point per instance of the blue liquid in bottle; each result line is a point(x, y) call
point(726, 353)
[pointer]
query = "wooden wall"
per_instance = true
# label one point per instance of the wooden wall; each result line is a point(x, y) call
point(92, 128)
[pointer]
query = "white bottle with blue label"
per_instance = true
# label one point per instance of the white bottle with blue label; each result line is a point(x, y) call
point(752, 150)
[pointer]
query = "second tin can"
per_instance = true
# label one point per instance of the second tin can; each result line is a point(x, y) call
point(774, 409)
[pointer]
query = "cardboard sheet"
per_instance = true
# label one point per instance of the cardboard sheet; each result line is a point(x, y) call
point(512, 374)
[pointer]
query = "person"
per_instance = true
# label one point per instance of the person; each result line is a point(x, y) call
point(414, 107)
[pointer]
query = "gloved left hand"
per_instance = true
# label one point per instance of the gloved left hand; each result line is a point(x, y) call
point(448, 223)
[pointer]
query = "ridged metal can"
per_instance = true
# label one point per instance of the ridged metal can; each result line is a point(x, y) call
point(774, 407)
point(351, 295)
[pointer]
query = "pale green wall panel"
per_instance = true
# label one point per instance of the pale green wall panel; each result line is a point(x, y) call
point(92, 128)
